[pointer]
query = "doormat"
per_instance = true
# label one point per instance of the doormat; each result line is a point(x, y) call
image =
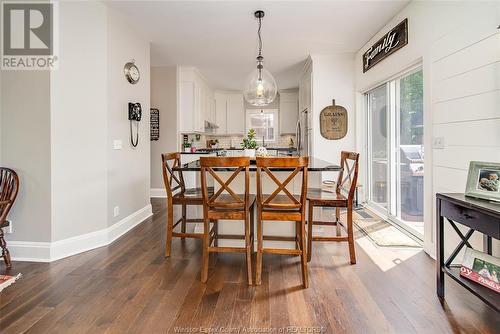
point(382, 233)
point(6, 280)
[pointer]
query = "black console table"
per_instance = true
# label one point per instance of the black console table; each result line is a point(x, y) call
point(478, 215)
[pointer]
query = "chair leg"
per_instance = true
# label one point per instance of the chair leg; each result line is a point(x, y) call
point(258, 262)
point(350, 235)
point(252, 229)
point(170, 227)
point(183, 223)
point(216, 236)
point(305, 279)
point(337, 219)
point(310, 231)
point(5, 251)
point(248, 247)
point(206, 240)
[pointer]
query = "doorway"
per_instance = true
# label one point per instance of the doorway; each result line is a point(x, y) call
point(396, 151)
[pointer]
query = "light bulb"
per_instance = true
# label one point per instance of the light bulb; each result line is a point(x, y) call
point(260, 89)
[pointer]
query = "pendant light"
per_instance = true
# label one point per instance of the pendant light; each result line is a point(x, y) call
point(260, 88)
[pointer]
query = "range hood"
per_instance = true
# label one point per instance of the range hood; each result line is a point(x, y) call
point(210, 127)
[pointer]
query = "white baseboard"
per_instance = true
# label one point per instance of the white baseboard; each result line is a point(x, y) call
point(52, 251)
point(158, 192)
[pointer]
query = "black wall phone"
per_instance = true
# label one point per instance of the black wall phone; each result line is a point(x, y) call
point(134, 114)
point(134, 111)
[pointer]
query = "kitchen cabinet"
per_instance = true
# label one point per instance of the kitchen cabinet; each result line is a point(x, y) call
point(196, 103)
point(289, 109)
point(229, 113)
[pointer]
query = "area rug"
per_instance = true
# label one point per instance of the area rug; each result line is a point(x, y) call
point(6, 280)
point(382, 233)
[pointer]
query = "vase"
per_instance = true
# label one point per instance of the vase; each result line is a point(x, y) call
point(249, 152)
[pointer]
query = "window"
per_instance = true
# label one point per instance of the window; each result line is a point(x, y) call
point(396, 151)
point(264, 122)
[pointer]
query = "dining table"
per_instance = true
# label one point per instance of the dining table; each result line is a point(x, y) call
point(321, 173)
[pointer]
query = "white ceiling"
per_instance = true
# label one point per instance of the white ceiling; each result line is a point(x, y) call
point(220, 37)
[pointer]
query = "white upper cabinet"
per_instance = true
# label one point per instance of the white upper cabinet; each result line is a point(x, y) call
point(220, 112)
point(235, 114)
point(289, 109)
point(196, 103)
point(229, 113)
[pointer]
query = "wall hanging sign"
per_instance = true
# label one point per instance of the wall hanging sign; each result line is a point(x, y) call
point(333, 122)
point(155, 123)
point(394, 40)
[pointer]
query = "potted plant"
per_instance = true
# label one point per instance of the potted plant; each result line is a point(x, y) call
point(249, 144)
point(187, 147)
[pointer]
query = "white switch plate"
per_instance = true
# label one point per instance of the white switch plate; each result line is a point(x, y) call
point(438, 143)
point(117, 144)
point(116, 211)
point(8, 229)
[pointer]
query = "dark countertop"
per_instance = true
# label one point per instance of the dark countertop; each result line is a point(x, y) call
point(315, 165)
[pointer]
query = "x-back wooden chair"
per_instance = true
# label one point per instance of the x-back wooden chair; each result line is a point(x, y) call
point(346, 186)
point(226, 204)
point(282, 207)
point(9, 186)
point(177, 194)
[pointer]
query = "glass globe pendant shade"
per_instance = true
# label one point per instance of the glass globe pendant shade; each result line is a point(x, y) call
point(260, 88)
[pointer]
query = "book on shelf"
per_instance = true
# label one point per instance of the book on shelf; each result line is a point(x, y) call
point(481, 268)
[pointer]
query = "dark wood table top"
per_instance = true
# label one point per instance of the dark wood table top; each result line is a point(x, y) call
point(484, 205)
point(315, 165)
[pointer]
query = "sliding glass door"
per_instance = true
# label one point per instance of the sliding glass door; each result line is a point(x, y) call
point(396, 152)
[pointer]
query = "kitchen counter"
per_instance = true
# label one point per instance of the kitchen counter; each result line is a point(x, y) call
point(214, 150)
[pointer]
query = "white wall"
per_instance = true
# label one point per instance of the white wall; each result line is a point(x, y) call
point(332, 78)
point(58, 129)
point(25, 142)
point(129, 168)
point(164, 98)
point(78, 122)
point(457, 44)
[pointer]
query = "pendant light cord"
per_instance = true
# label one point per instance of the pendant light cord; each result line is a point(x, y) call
point(260, 58)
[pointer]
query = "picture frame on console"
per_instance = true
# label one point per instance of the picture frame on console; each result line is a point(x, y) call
point(483, 180)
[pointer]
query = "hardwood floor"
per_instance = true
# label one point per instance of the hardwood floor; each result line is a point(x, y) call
point(130, 287)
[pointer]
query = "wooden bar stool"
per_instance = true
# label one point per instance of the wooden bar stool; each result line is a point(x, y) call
point(177, 194)
point(227, 206)
point(320, 198)
point(287, 207)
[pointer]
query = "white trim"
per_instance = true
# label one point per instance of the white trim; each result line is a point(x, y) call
point(158, 192)
point(52, 251)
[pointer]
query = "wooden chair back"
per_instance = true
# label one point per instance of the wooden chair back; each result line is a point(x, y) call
point(233, 200)
point(291, 203)
point(348, 176)
point(9, 186)
point(172, 179)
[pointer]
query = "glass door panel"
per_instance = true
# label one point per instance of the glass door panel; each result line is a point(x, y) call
point(411, 156)
point(396, 151)
point(378, 144)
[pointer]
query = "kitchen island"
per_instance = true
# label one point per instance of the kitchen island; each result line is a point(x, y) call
point(318, 171)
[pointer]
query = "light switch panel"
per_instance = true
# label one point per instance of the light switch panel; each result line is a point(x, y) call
point(117, 144)
point(438, 143)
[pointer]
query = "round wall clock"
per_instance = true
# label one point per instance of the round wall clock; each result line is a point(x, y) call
point(131, 72)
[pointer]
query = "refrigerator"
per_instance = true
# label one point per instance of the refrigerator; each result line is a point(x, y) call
point(303, 133)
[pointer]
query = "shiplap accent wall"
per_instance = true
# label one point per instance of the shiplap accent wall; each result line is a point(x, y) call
point(465, 88)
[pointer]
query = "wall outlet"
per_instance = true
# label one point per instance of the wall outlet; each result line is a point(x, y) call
point(8, 229)
point(117, 144)
point(438, 143)
point(116, 211)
